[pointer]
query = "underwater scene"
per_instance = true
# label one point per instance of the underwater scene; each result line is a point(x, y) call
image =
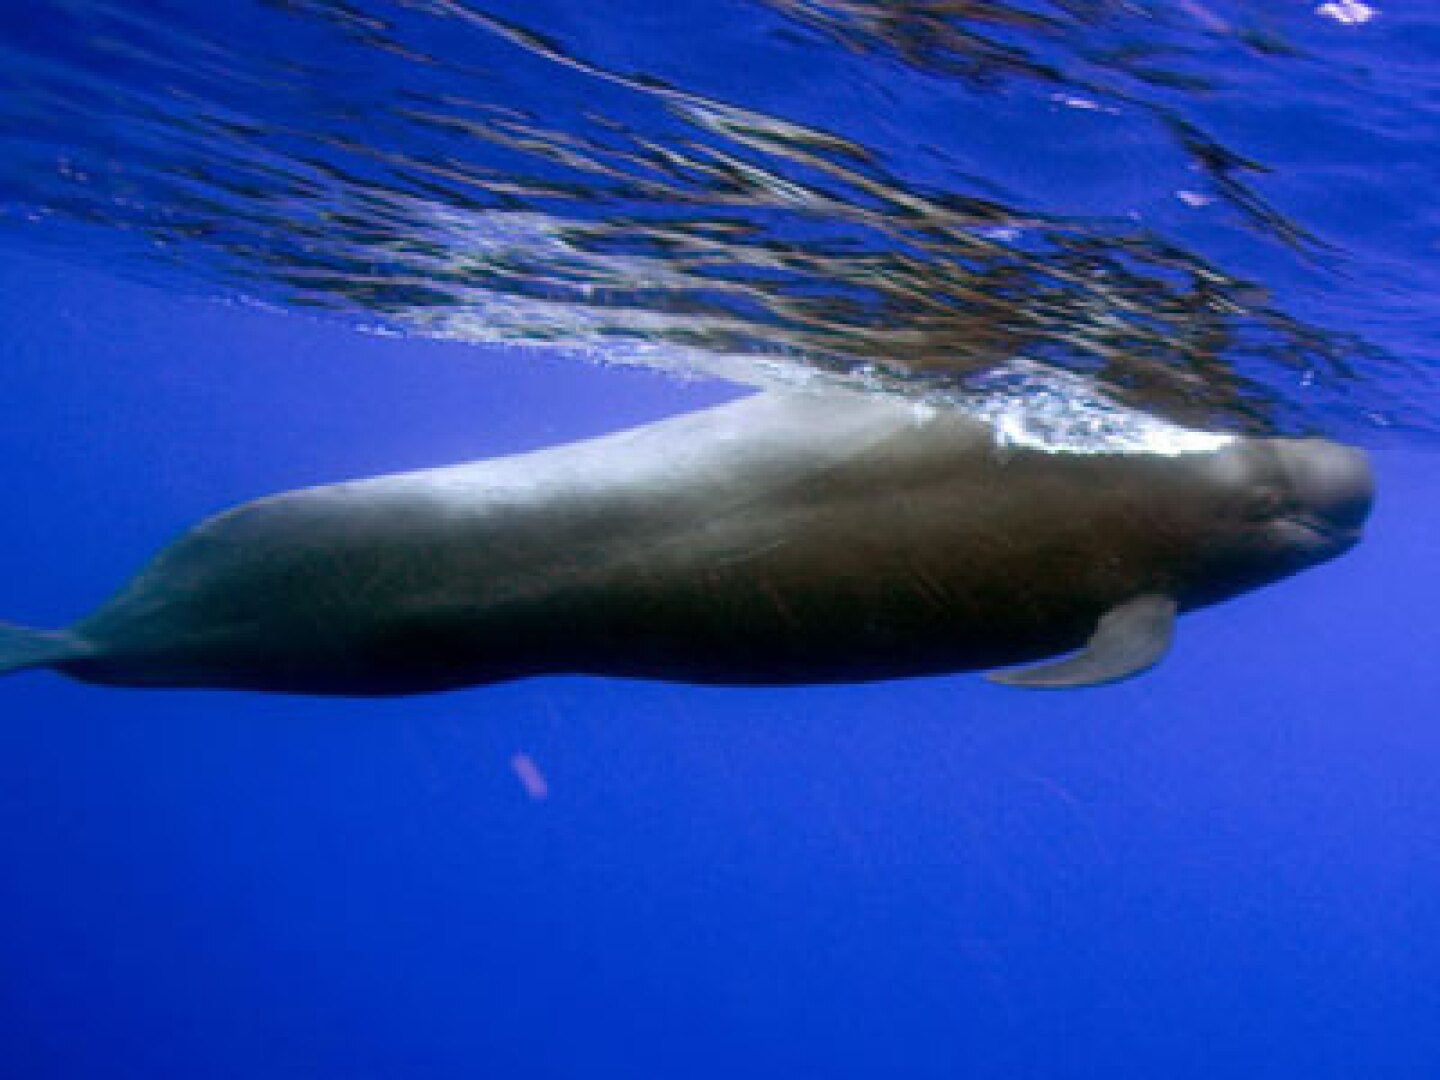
point(768, 538)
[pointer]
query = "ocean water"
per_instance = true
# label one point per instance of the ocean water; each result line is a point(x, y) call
point(252, 246)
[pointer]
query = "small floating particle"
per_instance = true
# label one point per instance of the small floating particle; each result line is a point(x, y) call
point(1204, 15)
point(530, 777)
point(1194, 198)
point(1348, 12)
point(1074, 101)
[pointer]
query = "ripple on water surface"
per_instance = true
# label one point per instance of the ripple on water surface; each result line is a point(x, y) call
point(1218, 211)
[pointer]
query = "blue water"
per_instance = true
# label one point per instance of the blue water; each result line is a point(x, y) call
point(1224, 869)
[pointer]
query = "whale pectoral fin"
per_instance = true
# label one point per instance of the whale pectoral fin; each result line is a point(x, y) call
point(1129, 639)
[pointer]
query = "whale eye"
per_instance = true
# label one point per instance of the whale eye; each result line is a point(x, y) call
point(1263, 504)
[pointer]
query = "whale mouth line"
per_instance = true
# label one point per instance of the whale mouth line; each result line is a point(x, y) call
point(1328, 533)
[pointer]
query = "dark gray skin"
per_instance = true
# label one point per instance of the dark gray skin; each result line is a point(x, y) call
point(785, 538)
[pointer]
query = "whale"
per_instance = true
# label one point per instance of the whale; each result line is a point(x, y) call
point(789, 537)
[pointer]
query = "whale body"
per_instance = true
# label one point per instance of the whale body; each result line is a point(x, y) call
point(785, 538)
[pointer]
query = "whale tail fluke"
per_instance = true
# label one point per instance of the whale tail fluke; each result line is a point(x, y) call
point(22, 648)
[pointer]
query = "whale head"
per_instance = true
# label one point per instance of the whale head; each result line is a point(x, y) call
point(1275, 507)
point(1327, 490)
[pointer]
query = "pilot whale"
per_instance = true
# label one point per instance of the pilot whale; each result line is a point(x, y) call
point(789, 537)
